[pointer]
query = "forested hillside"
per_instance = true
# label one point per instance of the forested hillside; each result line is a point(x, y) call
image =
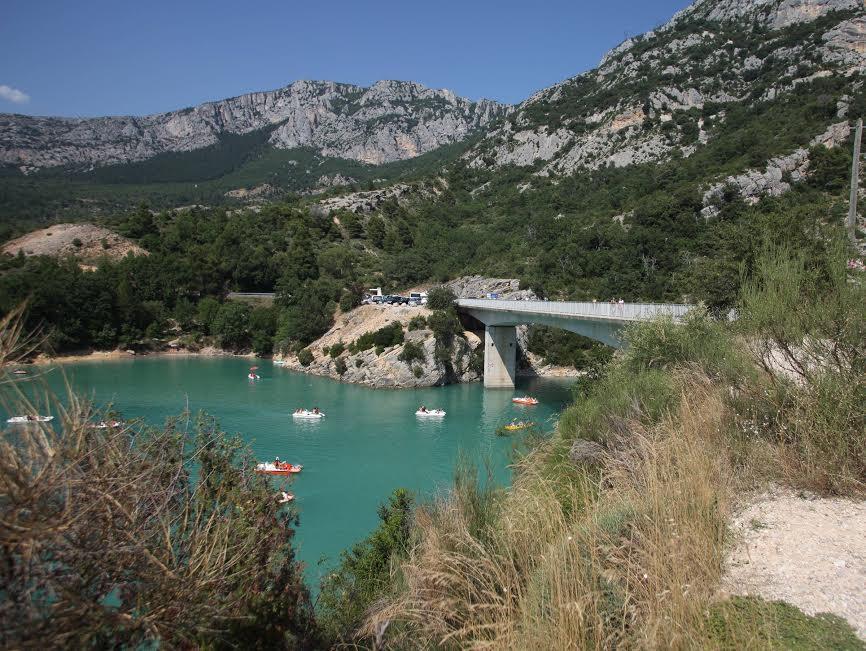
point(756, 149)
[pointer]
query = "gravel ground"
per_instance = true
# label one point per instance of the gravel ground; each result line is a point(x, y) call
point(806, 550)
point(59, 240)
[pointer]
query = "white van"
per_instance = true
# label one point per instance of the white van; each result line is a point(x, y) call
point(418, 297)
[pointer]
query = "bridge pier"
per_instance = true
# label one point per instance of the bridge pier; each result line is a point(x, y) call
point(600, 321)
point(500, 356)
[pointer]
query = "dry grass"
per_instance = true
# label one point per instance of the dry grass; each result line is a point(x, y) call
point(105, 541)
point(628, 555)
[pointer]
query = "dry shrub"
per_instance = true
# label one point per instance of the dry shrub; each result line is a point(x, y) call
point(804, 321)
point(628, 556)
point(138, 537)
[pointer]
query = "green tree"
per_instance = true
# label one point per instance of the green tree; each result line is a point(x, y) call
point(412, 352)
point(338, 261)
point(440, 298)
point(364, 572)
point(354, 226)
point(350, 298)
point(304, 321)
point(376, 231)
point(263, 327)
point(208, 309)
point(231, 325)
point(300, 267)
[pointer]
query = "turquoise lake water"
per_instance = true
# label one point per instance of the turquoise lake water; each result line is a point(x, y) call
point(370, 442)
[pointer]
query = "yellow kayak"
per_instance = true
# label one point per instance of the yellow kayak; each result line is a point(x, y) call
point(517, 426)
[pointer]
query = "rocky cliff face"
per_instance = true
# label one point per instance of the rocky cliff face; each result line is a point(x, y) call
point(385, 368)
point(666, 92)
point(389, 121)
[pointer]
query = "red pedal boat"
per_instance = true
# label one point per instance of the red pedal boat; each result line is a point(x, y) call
point(525, 400)
point(279, 468)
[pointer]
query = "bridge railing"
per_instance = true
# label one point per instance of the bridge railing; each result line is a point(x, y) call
point(250, 295)
point(620, 311)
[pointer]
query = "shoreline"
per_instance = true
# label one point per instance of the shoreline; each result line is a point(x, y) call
point(119, 355)
point(95, 356)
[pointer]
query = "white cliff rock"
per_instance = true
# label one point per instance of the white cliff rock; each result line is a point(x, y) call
point(642, 103)
point(754, 184)
point(391, 120)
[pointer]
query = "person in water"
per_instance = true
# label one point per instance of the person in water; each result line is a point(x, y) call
point(423, 409)
point(315, 410)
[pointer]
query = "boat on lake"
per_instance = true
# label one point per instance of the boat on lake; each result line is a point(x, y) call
point(513, 427)
point(525, 400)
point(278, 468)
point(106, 424)
point(305, 413)
point(431, 413)
point(285, 498)
point(29, 419)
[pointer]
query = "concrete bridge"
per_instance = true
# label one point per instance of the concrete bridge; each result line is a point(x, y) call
point(599, 321)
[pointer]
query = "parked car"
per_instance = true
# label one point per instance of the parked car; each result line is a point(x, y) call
point(394, 299)
point(378, 300)
point(418, 297)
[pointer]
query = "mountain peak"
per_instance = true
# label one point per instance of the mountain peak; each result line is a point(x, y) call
point(667, 92)
point(390, 120)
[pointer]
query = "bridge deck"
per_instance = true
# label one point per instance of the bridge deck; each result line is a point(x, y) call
point(579, 310)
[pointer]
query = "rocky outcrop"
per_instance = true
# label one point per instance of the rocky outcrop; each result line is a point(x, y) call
point(776, 178)
point(257, 192)
point(480, 287)
point(389, 121)
point(385, 369)
point(774, 14)
point(647, 100)
point(369, 200)
point(334, 181)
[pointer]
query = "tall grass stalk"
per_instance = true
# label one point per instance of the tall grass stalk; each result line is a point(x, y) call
point(627, 555)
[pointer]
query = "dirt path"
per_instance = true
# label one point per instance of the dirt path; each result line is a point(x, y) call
point(803, 549)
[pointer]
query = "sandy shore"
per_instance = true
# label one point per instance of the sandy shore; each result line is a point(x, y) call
point(109, 355)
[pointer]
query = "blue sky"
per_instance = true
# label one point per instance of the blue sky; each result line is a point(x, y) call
point(84, 58)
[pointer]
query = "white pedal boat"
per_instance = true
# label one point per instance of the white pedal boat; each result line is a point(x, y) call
point(431, 413)
point(309, 415)
point(29, 419)
point(105, 425)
